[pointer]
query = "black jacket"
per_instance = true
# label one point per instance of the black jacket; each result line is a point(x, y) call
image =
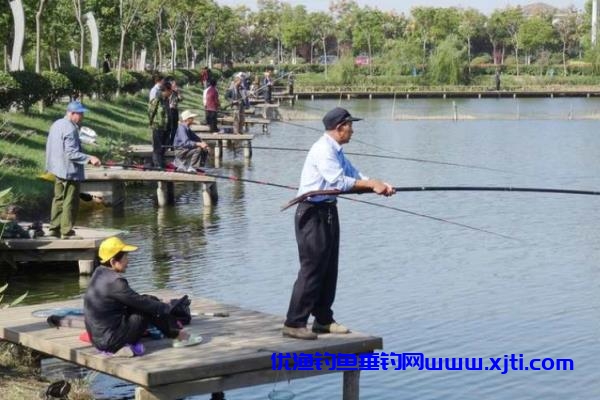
point(107, 304)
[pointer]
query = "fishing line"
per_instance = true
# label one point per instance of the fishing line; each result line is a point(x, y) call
point(202, 172)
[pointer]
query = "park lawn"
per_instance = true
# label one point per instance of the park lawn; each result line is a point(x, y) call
point(118, 123)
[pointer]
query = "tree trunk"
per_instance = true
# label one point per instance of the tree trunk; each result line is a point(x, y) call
point(370, 55)
point(173, 42)
point(469, 54)
point(564, 57)
point(325, 55)
point(121, 49)
point(38, 30)
point(517, 58)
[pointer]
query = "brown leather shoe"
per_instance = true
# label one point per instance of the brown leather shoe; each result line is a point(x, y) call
point(298, 333)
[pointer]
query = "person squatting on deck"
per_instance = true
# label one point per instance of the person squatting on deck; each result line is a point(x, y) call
point(65, 159)
point(190, 151)
point(158, 117)
point(236, 96)
point(116, 316)
point(317, 228)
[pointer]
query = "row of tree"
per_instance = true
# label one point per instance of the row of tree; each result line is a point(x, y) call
point(182, 32)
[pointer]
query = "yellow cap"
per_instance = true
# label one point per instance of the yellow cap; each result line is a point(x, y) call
point(111, 246)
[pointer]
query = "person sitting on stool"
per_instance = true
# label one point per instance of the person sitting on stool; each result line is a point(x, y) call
point(190, 151)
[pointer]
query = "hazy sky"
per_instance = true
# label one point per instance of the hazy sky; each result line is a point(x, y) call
point(485, 6)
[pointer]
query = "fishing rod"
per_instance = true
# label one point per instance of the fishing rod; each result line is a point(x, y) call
point(336, 192)
point(199, 171)
point(386, 157)
point(398, 157)
point(171, 168)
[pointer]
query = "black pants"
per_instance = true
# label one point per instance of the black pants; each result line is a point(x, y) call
point(160, 138)
point(211, 120)
point(173, 122)
point(318, 238)
point(134, 325)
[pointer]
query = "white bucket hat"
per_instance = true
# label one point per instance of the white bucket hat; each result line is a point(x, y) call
point(187, 114)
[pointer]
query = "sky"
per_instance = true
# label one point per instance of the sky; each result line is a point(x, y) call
point(485, 6)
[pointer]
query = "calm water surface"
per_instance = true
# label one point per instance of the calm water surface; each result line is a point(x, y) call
point(424, 286)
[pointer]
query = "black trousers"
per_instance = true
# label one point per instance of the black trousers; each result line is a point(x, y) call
point(160, 138)
point(211, 120)
point(134, 325)
point(318, 238)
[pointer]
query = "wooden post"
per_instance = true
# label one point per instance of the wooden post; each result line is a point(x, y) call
point(218, 150)
point(454, 106)
point(165, 193)
point(209, 194)
point(248, 149)
point(86, 267)
point(351, 385)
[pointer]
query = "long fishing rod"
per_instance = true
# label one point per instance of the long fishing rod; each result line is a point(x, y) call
point(386, 157)
point(336, 192)
point(172, 168)
point(199, 171)
point(399, 157)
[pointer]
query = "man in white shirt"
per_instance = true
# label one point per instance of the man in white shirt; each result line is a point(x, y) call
point(318, 230)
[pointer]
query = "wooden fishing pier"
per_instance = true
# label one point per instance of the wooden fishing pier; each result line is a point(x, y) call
point(236, 351)
point(108, 183)
point(248, 121)
point(47, 248)
point(473, 92)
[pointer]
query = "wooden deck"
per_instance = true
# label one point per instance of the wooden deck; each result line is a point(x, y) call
point(47, 248)
point(236, 351)
point(108, 183)
point(248, 121)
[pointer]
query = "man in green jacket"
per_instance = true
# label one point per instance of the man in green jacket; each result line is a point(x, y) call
point(158, 117)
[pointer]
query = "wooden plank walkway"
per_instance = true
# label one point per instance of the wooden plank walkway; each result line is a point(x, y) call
point(236, 351)
point(473, 93)
point(108, 183)
point(248, 121)
point(47, 248)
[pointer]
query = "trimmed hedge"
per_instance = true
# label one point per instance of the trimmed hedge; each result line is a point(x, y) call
point(8, 88)
point(82, 80)
point(60, 86)
point(32, 88)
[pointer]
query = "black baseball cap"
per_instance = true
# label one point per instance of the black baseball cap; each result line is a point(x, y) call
point(337, 116)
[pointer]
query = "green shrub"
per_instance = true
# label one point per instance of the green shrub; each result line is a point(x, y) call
point(82, 80)
point(106, 85)
point(448, 61)
point(344, 71)
point(144, 79)
point(9, 88)
point(32, 88)
point(129, 83)
point(481, 59)
point(191, 76)
point(60, 86)
point(179, 77)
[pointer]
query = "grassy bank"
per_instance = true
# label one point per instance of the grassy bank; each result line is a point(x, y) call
point(19, 376)
point(118, 123)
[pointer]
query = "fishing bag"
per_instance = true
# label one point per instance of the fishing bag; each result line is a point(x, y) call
point(180, 309)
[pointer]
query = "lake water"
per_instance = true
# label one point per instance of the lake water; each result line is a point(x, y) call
point(425, 286)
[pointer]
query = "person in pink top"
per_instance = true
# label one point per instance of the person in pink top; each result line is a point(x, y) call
point(212, 105)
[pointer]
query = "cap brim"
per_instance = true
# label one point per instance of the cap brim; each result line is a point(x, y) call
point(353, 119)
point(128, 248)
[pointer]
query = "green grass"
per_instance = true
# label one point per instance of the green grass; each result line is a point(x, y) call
point(118, 124)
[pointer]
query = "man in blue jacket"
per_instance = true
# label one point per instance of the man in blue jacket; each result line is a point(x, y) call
point(66, 160)
point(190, 151)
